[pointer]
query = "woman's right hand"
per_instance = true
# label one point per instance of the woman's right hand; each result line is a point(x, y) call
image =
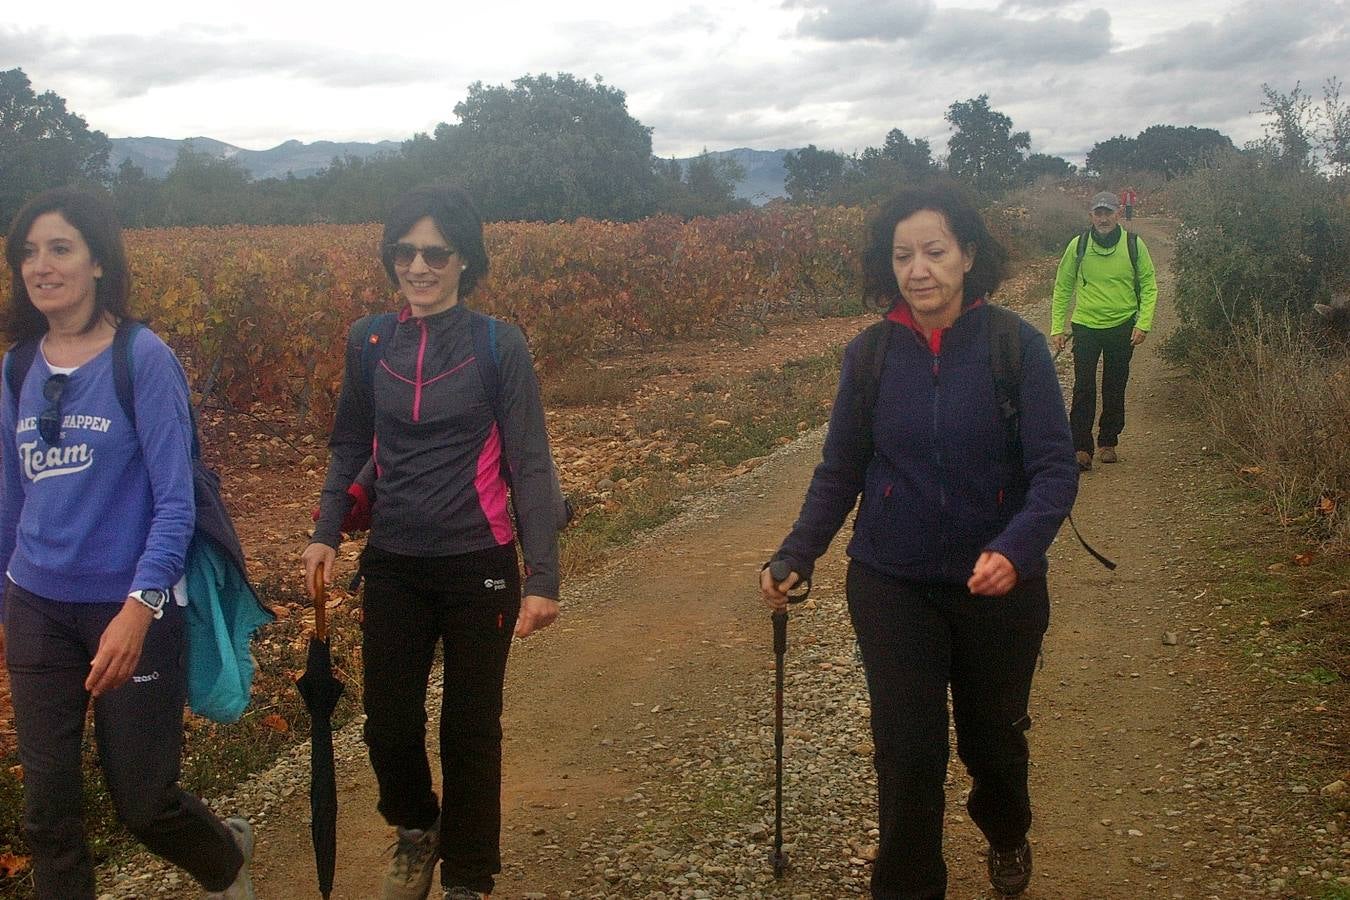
point(775, 596)
point(317, 554)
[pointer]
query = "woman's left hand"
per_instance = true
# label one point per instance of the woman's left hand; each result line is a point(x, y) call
point(535, 613)
point(994, 575)
point(119, 648)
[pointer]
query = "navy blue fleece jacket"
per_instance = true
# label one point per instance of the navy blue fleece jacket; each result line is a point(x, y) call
point(940, 487)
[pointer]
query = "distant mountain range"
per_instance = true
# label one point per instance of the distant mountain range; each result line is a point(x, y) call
point(156, 156)
point(763, 180)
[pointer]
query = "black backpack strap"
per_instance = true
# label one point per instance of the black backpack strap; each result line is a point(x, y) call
point(483, 329)
point(124, 367)
point(371, 335)
point(871, 360)
point(1132, 245)
point(18, 361)
point(1005, 357)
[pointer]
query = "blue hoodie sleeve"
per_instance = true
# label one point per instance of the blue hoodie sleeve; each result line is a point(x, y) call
point(1047, 460)
point(164, 431)
point(837, 481)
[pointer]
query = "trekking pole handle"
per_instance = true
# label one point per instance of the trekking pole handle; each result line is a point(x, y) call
point(779, 570)
point(320, 604)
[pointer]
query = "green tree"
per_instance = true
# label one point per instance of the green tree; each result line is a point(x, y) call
point(43, 144)
point(202, 189)
point(1112, 156)
point(704, 186)
point(983, 149)
point(1041, 165)
point(546, 148)
point(812, 174)
point(1290, 121)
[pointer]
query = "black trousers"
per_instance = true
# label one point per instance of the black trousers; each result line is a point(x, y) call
point(1113, 347)
point(469, 604)
point(917, 641)
point(139, 732)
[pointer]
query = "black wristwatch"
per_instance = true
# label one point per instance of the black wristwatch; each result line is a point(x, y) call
point(153, 598)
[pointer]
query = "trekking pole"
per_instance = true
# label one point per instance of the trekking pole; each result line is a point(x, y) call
point(779, 570)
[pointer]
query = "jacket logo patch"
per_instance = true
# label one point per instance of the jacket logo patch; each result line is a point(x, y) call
point(495, 584)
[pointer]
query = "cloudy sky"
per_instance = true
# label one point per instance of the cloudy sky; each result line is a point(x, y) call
point(736, 73)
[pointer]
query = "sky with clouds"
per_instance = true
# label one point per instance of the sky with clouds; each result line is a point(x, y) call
point(747, 73)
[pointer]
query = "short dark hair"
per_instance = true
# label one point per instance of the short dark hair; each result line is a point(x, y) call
point(92, 215)
point(963, 218)
point(456, 219)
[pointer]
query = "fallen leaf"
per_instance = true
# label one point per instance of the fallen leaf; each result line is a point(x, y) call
point(1303, 559)
point(1251, 470)
point(1326, 506)
point(276, 723)
point(11, 865)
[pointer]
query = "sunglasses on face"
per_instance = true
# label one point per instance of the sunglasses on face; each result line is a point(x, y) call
point(434, 257)
point(49, 423)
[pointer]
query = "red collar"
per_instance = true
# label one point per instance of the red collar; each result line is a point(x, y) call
point(901, 314)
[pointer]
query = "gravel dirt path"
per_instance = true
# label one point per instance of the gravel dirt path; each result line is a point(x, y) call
point(638, 757)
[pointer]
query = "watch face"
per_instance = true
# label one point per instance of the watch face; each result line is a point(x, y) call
point(153, 597)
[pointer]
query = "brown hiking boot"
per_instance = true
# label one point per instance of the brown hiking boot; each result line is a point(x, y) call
point(1084, 460)
point(1107, 455)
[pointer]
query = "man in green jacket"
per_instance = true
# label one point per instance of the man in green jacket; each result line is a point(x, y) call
point(1112, 315)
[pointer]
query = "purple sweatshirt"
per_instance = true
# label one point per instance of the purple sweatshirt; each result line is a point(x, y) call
point(109, 509)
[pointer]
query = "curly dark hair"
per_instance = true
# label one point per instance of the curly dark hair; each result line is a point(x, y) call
point(93, 217)
point(456, 219)
point(880, 289)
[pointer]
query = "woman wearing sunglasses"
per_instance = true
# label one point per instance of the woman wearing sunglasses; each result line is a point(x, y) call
point(95, 518)
point(440, 561)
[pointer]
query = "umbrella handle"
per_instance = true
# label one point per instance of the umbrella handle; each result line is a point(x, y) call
point(320, 604)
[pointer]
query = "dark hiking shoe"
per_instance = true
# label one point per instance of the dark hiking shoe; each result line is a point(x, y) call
point(1084, 460)
point(1010, 870)
point(461, 893)
point(415, 855)
point(1108, 455)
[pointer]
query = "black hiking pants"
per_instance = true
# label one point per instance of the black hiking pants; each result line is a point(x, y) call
point(918, 641)
point(468, 603)
point(1113, 347)
point(138, 729)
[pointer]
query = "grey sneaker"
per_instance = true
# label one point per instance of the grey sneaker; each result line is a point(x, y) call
point(415, 853)
point(1107, 454)
point(461, 893)
point(242, 887)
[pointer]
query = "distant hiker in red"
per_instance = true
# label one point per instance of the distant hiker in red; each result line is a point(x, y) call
point(1128, 199)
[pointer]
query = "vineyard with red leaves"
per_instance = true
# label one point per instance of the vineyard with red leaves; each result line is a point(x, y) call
point(258, 314)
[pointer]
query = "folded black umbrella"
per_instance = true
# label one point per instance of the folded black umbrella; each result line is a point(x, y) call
point(321, 690)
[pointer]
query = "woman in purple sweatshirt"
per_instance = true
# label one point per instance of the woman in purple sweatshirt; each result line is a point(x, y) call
point(445, 429)
point(946, 579)
point(95, 518)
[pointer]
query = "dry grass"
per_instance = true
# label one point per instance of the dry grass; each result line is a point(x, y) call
point(1277, 405)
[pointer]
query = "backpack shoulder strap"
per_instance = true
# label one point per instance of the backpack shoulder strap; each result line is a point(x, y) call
point(1005, 357)
point(18, 361)
point(487, 357)
point(1132, 245)
point(871, 360)
point(371, 335)
point(124, 367)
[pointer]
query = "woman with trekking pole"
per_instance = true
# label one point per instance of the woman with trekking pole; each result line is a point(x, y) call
point(445, 401)
point(96, 515)
point(950, 423)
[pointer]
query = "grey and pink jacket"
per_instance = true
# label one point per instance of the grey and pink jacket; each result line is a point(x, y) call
point(429, 423)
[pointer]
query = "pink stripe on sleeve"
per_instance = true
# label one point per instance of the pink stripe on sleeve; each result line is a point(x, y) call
point(491, 488)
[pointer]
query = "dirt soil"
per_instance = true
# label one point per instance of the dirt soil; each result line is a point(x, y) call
point(1157, 769)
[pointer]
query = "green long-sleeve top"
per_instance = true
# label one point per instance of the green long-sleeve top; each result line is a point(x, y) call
point(1105, 287)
